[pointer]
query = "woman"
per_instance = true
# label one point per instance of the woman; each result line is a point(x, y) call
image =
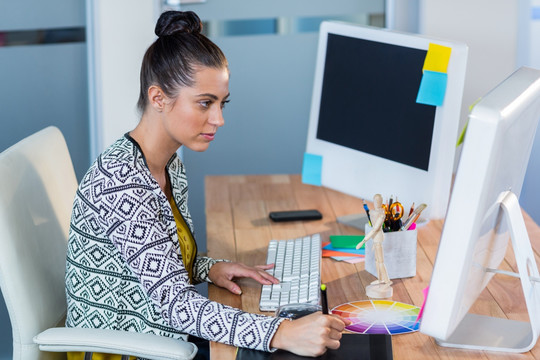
point(132, 258)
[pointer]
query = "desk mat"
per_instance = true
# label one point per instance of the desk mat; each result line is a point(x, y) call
point(379, 317)
point(353, 346)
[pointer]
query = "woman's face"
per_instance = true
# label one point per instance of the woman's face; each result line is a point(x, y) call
point(194, 117)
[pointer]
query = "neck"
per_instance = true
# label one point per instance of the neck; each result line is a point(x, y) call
point(157, 150)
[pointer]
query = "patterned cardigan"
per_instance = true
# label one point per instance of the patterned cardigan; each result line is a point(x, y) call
point(124, 268)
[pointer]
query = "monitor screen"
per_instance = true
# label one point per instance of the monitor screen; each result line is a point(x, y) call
point(355, 102)
point(365, 121)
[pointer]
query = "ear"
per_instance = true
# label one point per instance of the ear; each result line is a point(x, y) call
point(156, 98)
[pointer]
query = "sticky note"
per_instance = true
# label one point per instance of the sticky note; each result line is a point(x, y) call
point(346, 241)
point(350, 260)
point(311, 169)
point(432, 88)
point(535, 13)
point(344, 251)
point(437, 58)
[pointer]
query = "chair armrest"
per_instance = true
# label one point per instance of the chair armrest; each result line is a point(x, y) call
point(148, 346)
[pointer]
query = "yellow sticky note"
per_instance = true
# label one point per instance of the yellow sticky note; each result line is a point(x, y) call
point(437, 58)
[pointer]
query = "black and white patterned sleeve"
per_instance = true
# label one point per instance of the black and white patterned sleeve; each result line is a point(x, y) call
point(143, 240)
point(201, 268)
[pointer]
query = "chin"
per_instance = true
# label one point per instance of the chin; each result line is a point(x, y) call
point(198, 147)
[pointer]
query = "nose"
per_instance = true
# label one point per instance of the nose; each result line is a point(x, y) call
point(216, 117)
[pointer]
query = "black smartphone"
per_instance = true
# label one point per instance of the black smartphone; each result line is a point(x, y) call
point(295, 215)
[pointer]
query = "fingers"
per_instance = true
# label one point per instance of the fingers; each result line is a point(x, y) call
point(333, 332)
point(264, 267)
point(223, 274)
point(259, 274)
point(232, 287)
point(341, 323)
point(335, 335)
point(333, 344)
point(310, 335)
point(267, 277)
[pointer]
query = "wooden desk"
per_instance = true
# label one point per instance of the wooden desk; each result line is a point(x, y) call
point(238, 228)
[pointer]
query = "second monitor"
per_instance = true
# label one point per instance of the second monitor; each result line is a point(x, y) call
point(366, 123)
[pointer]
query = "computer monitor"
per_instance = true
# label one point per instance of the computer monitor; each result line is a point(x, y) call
point(483, 214)
point(365, 121)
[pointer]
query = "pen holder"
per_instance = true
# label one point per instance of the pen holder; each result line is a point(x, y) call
point(399, 251)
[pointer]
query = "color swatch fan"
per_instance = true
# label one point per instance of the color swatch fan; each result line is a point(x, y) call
point(379, 317)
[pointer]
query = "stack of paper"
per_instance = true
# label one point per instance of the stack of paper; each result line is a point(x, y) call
point(343, 248)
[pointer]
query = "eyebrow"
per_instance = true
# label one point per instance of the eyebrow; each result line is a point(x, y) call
point(214, 97)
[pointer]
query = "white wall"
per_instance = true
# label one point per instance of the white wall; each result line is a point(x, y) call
point(114, 64)
point(502, 35)
point(402, 15)
point(488, 27)
point(534, 38)
point(531, 187)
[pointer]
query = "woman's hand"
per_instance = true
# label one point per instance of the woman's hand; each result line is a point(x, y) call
point(310, 335)
point(223, 273)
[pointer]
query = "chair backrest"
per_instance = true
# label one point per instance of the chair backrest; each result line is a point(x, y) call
point(37, 187)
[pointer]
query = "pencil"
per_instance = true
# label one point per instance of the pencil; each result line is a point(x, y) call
point(324, 300)
point(367, 212)
point(412, 209)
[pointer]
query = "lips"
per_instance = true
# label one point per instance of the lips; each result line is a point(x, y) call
point(209, 136)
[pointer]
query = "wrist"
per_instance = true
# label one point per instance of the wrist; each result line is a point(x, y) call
point(279, 339)
point(212, 263)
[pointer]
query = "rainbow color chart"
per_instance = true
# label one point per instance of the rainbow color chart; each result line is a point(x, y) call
point(379, 317)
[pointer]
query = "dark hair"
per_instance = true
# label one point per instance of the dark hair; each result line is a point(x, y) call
point(171, 60)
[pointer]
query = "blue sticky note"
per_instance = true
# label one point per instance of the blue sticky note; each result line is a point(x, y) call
point(311, 169)
point(432, 88)
point(535, 13)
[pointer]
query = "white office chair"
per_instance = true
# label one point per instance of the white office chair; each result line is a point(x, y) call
point(37, 187)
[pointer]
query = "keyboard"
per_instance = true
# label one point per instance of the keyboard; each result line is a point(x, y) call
point(298, 268)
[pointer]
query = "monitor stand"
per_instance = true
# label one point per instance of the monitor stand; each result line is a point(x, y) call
point(497, 334)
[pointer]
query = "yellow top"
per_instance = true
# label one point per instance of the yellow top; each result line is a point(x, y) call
point(187, 243)
point(188, 249)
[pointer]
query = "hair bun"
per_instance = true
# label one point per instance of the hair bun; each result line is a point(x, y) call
point(172, 22)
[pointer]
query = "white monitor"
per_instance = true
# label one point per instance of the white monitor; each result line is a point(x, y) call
point(483, 214)
point(365, 122)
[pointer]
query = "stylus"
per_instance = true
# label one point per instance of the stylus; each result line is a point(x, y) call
point(324, 300)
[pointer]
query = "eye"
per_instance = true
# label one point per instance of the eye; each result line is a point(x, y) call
point(205, 103)
point(223, 103)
